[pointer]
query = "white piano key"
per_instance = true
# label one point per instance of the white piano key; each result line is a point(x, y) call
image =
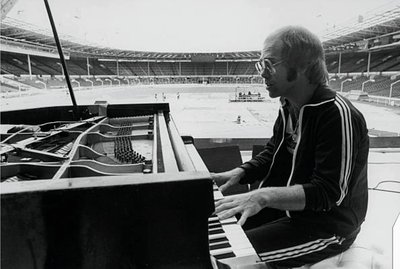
point(216, 236)
point(214, 229)
point(244, 252)
point(218, 195)
point(213, 218)
point(220, 251)
point(228, 220)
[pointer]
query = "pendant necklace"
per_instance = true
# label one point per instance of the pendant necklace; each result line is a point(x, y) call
point(294, 134)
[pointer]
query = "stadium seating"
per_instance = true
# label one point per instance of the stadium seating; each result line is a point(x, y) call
point(358, 62)
point(380, 87)
point(13, 64)
point(8, 88)
point(383, 65)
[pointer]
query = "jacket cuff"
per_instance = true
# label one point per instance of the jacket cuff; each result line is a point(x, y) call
point(247, 178)
point(311, 194)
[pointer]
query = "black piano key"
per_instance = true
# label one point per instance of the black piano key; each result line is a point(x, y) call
point(216, 240)
point(225, 256)
point(214, 225)
point(217, 231)
point(213, 217)
point(214, 222)
point(221, 245)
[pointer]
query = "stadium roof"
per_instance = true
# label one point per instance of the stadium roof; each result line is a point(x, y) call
point(18, 33)
point(382, 23)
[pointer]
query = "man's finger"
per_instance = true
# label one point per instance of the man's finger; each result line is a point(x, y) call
point(229, 213)
point(226, 199)
point(243, 218)
point(224, 206)
point(219, 202)
point(225, 186)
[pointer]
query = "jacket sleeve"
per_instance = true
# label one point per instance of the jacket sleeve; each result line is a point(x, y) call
point(333, 160)
point(258, 167)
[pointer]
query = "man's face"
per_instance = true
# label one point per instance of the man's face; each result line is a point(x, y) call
point(274, 70)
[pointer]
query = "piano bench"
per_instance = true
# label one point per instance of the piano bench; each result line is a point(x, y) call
point(356, 257)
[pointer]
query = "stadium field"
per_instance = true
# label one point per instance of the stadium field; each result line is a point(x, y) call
point(202, 110)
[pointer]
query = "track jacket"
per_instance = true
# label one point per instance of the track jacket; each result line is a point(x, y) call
point(329, 160)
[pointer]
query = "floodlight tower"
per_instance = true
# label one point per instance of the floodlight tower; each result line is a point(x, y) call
point(41, 82)
point(341, 84)
point(109, 81)
point(62, 69)
point(88, 80)
point(79, 84)
point(119, 82)
point(102, 83)
point(391, 89)
point(365, 82)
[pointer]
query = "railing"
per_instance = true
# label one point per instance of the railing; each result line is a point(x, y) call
point(383, 100)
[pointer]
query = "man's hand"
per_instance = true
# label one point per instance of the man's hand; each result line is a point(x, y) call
point(228, 178)
point(246, 204)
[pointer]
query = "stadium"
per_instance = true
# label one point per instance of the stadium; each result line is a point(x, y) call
point(220, 114)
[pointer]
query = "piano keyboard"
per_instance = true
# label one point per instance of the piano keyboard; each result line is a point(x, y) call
point(227, 239)
point(228, 244)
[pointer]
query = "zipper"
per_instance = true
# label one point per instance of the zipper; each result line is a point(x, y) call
point(295, 152)
point(280, 144)
point(298, 142)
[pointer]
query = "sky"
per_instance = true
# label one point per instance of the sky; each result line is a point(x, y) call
point(187, 25)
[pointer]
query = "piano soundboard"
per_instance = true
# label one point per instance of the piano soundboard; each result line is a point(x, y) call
point(91, 193)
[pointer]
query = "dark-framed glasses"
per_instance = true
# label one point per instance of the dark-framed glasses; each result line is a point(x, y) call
point(265, 65)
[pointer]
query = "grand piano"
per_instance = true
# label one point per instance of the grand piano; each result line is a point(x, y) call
point(108, 186)
point(116, 188)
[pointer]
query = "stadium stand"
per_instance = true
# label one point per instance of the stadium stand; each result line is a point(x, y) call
point(175, 68)
point(381, 61)
point(379, 87)
point(8, 88)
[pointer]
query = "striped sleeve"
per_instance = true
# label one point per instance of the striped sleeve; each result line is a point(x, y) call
point(347, 146)
point(329, 182)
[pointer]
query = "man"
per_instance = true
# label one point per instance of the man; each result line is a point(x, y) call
point(313, 171)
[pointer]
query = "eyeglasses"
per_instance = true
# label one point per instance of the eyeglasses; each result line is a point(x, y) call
point(265, 64)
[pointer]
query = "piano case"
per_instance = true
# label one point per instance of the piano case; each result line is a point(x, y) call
point(146, 221)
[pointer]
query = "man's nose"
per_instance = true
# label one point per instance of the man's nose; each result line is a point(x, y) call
point(265, 74)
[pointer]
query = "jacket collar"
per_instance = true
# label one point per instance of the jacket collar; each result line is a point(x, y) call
point(321, 94)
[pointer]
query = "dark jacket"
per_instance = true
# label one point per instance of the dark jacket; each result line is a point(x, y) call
point(330, 161)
